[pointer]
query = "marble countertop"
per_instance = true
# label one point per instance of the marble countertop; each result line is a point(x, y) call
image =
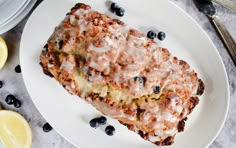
point(13, 82)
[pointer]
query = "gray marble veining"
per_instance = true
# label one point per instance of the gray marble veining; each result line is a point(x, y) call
point(13, 82)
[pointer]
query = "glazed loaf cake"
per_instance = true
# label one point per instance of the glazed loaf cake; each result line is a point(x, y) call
point(122, 73)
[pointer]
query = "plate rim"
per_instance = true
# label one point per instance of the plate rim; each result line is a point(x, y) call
point(202, 31)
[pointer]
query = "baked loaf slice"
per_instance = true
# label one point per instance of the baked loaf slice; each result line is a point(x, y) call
point(122, 73)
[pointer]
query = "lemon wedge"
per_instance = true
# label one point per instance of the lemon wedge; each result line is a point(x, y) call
point(3, 52)
point(15, 131)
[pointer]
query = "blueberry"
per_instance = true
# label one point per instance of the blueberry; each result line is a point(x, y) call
point(156, 89)
point(151, 34)
point(17, 103)
point(110, 130)
point(60, 44)
point(18, 69)
point(102, 74)
point(161, 36)
point(94, 123)
point(120, 11)
point(102, 120)
point(46, 47)
point(10, 99)
point(114, 7)
point(47, 127)
point(1, 84)
point(141, 80)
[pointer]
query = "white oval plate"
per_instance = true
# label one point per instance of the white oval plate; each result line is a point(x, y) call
point(70, 115)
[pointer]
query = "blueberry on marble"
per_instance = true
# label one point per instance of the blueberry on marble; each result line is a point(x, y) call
point(94, 123)
point(10, 99)
point(102, 120)
point(18, 69)
point(120, 11)
point(161, 36)
point(110, 130)
point(156, 89)
point(47, 127)
point(114, 7)
point(17, 103)
point(151, 34)
point(1, 84)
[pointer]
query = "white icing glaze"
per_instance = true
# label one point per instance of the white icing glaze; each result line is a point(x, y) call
point(101, 49)
point(82, 25)
point(81, 12)
point(72, 19)
point(73, 85)
point(50, 65)
point(110, 42)
point(154, 138)
point(171, 132)
point(159, 133)
point(67, 65)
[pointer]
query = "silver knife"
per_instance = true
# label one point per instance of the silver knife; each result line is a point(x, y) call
point(230, 4)
point(209, 10)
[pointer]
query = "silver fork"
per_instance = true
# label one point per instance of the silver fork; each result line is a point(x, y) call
point(230, 4)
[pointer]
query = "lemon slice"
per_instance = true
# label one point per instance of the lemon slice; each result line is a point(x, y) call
point(15, 131)
point(3, 52)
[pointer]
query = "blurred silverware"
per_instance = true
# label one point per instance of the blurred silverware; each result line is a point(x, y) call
point(209, 10)
point(230, 4)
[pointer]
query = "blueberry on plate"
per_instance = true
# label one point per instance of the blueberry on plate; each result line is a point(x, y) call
point(151, 34)
point(17, 103)
point(120, 12)
point(161, 36)
point(10, 99)
point(18, 69)
point(102, 120)
point(114, 7)
point(47, 127)
point(1, 84)
point(94, 123)
point(110, 130)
